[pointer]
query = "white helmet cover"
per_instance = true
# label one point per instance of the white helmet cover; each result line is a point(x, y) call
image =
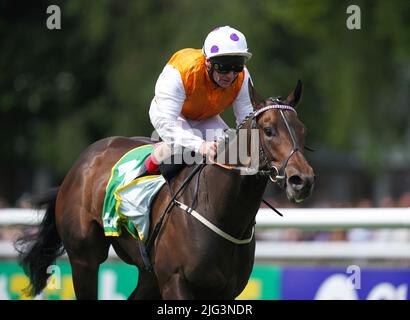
point(225, 41)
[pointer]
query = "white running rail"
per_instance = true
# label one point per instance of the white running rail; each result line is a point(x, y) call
point(307, 219)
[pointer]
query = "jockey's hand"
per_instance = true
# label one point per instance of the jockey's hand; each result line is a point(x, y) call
point(208, 149)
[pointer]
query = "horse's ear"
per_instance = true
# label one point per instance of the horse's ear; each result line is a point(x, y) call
point(294, 97)
point(256, 100)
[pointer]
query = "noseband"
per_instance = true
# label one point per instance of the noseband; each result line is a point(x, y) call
point(274, 173)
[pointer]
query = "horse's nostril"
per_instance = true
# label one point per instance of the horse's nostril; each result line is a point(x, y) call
point(295, 180)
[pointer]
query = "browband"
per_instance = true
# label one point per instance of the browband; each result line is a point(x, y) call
point(274, 106)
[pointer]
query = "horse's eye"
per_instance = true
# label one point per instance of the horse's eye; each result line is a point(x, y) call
point(269, 131)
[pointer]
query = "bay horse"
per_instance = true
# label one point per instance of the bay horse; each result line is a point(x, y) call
point(189, 259)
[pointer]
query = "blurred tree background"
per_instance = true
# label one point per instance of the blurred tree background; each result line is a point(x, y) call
point(61, 90)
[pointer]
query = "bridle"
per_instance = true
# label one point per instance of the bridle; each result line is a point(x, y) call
point(275, 174)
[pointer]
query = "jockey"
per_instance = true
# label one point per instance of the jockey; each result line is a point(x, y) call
point(193, 89)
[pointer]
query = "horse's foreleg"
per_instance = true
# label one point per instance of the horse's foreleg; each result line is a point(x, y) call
point(177, 288)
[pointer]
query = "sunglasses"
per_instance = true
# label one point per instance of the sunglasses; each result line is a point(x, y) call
point(225, 68)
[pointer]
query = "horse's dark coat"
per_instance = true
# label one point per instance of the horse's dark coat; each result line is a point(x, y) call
point(189, 260)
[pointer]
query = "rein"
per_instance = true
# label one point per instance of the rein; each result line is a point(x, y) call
point(275, 175)
point(184, 184)
point(279, 176)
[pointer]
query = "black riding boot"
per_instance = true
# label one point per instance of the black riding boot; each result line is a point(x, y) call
point(170, 170)
point(175, 163)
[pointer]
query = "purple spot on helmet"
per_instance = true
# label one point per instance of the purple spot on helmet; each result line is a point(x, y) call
point(214, 49)
point(234, 37)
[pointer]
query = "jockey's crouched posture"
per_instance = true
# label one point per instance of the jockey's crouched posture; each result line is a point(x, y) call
point(193, 89)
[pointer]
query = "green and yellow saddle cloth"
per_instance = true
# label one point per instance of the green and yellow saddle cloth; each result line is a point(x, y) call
point(128, 200)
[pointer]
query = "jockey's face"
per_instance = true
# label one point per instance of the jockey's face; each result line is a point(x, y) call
point(226, 79)
point(225, 69)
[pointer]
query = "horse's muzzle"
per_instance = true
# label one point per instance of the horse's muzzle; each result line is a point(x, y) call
point(299, 186)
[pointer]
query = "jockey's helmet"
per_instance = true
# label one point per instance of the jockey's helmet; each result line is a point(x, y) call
point(226, 41)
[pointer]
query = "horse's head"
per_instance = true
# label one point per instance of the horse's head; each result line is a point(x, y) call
point(282, 138)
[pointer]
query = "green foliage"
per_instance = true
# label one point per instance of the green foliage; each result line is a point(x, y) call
point(62, 90)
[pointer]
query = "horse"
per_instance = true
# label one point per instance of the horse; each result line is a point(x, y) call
point(205, 257)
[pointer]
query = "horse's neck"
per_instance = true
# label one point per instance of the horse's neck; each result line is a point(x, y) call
point(242, 191)
point(233, 199)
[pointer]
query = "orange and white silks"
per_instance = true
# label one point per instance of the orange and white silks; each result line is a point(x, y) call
point(187, 103)
point(204, 99)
